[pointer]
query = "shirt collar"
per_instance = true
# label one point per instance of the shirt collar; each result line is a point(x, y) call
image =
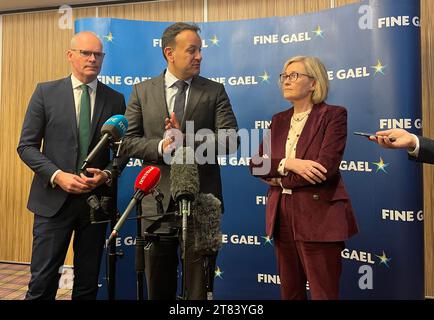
point(77, 83)
point(170, 79)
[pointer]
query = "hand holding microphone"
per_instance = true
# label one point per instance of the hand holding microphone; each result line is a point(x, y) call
point(145, 183)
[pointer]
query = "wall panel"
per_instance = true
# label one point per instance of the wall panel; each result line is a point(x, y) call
point(176, 10)
point(427, 42)
point(34, 50)
point(251, 9)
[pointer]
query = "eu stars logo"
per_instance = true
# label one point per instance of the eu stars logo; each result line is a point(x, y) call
point(379, 67)
point(381, 165)
point(384, 259)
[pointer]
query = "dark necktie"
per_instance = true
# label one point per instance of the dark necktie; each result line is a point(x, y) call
point(180, 99)
point(83, 126)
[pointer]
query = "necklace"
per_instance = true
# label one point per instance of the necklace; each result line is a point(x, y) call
point(300, 117)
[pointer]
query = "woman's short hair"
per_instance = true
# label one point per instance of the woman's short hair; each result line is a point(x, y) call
point(314, 68)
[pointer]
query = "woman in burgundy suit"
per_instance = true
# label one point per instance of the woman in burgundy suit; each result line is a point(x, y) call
point(308, 213)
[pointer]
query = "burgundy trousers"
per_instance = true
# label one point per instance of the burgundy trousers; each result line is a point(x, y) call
point(320, 263)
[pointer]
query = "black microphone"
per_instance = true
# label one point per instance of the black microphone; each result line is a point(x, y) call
point(114, 128)
point(184, 187)
point(184, 178)
point(207, 215)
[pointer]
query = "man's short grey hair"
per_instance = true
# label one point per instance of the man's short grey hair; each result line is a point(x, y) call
point(75, 36)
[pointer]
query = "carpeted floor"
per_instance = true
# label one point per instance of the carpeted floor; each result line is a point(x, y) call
point(14, 279)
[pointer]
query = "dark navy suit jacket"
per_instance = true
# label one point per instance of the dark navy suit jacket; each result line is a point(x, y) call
point(50, 121)
point(426, 150)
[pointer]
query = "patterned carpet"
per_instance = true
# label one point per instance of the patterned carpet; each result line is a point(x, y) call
point(14, 279)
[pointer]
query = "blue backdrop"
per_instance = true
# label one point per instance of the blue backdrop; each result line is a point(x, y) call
point(372, 52)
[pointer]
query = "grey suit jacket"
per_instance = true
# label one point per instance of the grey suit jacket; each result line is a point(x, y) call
point(51, 118)
point(208, 106)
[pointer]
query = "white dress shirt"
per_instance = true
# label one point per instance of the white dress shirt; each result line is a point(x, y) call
point(415, 151)
point(77, 99)
point(171, 90)
point(296, 127)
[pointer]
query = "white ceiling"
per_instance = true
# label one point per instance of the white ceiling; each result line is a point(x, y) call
point(10, 5)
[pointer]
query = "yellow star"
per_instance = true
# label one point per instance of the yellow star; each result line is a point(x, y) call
point(265, 76)
point(381, 165)
point(215, 40)
point(384, 259)
point(267, 240)
point(318, 32)
point(109, 37)
point(218, 273)
point(379, 67)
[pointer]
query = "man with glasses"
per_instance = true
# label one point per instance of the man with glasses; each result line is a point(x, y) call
point(65, 117)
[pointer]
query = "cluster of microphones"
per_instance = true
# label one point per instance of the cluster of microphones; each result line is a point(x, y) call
point(184, 188)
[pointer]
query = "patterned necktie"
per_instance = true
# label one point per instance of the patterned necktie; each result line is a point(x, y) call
point(83, 126)
point(180, 99)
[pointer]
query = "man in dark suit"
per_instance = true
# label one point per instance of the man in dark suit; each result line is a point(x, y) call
point(65, 116)
point(419, 148)
point(157, 109)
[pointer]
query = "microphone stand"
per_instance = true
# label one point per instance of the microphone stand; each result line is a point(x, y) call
point(113, 254)
point(184, 208)
point(142, 241)
point(208, 277)
point(140, 254)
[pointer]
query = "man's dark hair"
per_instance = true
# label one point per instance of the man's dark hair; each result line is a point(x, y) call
point(168, 38)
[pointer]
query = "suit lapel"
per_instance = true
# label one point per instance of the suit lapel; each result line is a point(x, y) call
point(310, 130)
point(159, 103)
point(97, 109)
point(194, 95)
point(70, 106)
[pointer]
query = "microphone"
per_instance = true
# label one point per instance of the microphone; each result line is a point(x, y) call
point(184, 178)
point(184, 187)
point(115, 128)
point(207, 236)
point(207, 215)
point(145, 183)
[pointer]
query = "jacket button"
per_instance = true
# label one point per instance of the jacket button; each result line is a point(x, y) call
point(315, 197)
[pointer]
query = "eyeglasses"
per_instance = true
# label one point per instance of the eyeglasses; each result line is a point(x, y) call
point(87, 53)
point(293, 76)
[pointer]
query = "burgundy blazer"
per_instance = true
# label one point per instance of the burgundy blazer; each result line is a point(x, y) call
point(321, 212)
